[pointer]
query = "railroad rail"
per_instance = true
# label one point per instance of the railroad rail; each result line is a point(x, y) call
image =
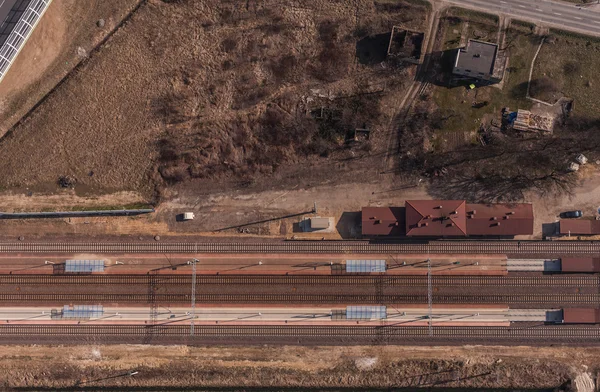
point(540, 332)
point(304, 280)
point(552, 300)
point(314, 247)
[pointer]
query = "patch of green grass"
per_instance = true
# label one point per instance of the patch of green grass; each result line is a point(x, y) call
point(520, 23)
point(479, 26)
point(571, 62)
point(452, 35)
point(422, 3)
point(571, 34)
point(455, 103)
point(473, 16)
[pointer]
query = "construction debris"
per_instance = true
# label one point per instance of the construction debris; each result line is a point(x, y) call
point(527, 121)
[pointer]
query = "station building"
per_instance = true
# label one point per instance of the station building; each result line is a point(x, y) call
point(449, 218)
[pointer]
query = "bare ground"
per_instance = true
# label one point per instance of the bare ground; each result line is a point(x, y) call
point(63, 38)
point(215, 90)
point(277, 368)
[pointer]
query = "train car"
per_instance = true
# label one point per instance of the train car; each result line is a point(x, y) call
point(581, 316)
point(579, 264)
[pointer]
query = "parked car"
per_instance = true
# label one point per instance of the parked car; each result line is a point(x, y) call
point(571, 214)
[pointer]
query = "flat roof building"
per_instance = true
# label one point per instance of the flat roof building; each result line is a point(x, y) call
point(480, 60)
point(579, 227)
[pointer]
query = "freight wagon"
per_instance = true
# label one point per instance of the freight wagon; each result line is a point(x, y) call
point(579, 264)
point(580, 316)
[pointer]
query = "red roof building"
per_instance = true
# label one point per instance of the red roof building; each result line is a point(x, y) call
point(383, 221)
point(579, 227)
point(436, 218)
point(456, 218)
point(501, 219)
point(449, 218)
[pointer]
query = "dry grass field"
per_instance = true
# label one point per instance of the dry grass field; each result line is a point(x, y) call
point(92, 367)
point(215, 90)
point(568, 64)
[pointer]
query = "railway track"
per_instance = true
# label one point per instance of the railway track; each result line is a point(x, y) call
point(314, 247)
point(546, 333)
point(550, 300)
point(307, 280)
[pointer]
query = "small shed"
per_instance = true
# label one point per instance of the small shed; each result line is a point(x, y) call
point(188, 216)
point(319, 223)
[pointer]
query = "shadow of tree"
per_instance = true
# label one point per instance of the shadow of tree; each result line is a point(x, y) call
point(510, 166)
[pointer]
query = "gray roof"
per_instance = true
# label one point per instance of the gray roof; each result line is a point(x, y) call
point(478, 56)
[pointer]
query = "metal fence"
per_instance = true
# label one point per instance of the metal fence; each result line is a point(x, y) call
point(17, 28)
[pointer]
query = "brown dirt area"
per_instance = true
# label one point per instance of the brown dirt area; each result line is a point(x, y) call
point(52, 51)
point(276, 368)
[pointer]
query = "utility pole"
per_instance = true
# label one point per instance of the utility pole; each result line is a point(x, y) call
point(193, 310)
point(429, 295)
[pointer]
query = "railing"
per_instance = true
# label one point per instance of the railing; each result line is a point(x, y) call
point(19, 34)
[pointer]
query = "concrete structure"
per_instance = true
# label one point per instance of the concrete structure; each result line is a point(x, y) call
point(407, 315)
point(480, 60)
point(319, 223)
point(406, 45)
point(533, 265)
point(579, 227)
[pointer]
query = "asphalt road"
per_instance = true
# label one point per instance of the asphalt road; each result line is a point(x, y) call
point(5, 7)
point(565, 16)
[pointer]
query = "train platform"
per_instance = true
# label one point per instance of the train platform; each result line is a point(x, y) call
point(319, 315)
point(256, 264)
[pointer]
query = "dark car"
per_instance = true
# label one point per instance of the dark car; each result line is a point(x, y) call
point(571, 214)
